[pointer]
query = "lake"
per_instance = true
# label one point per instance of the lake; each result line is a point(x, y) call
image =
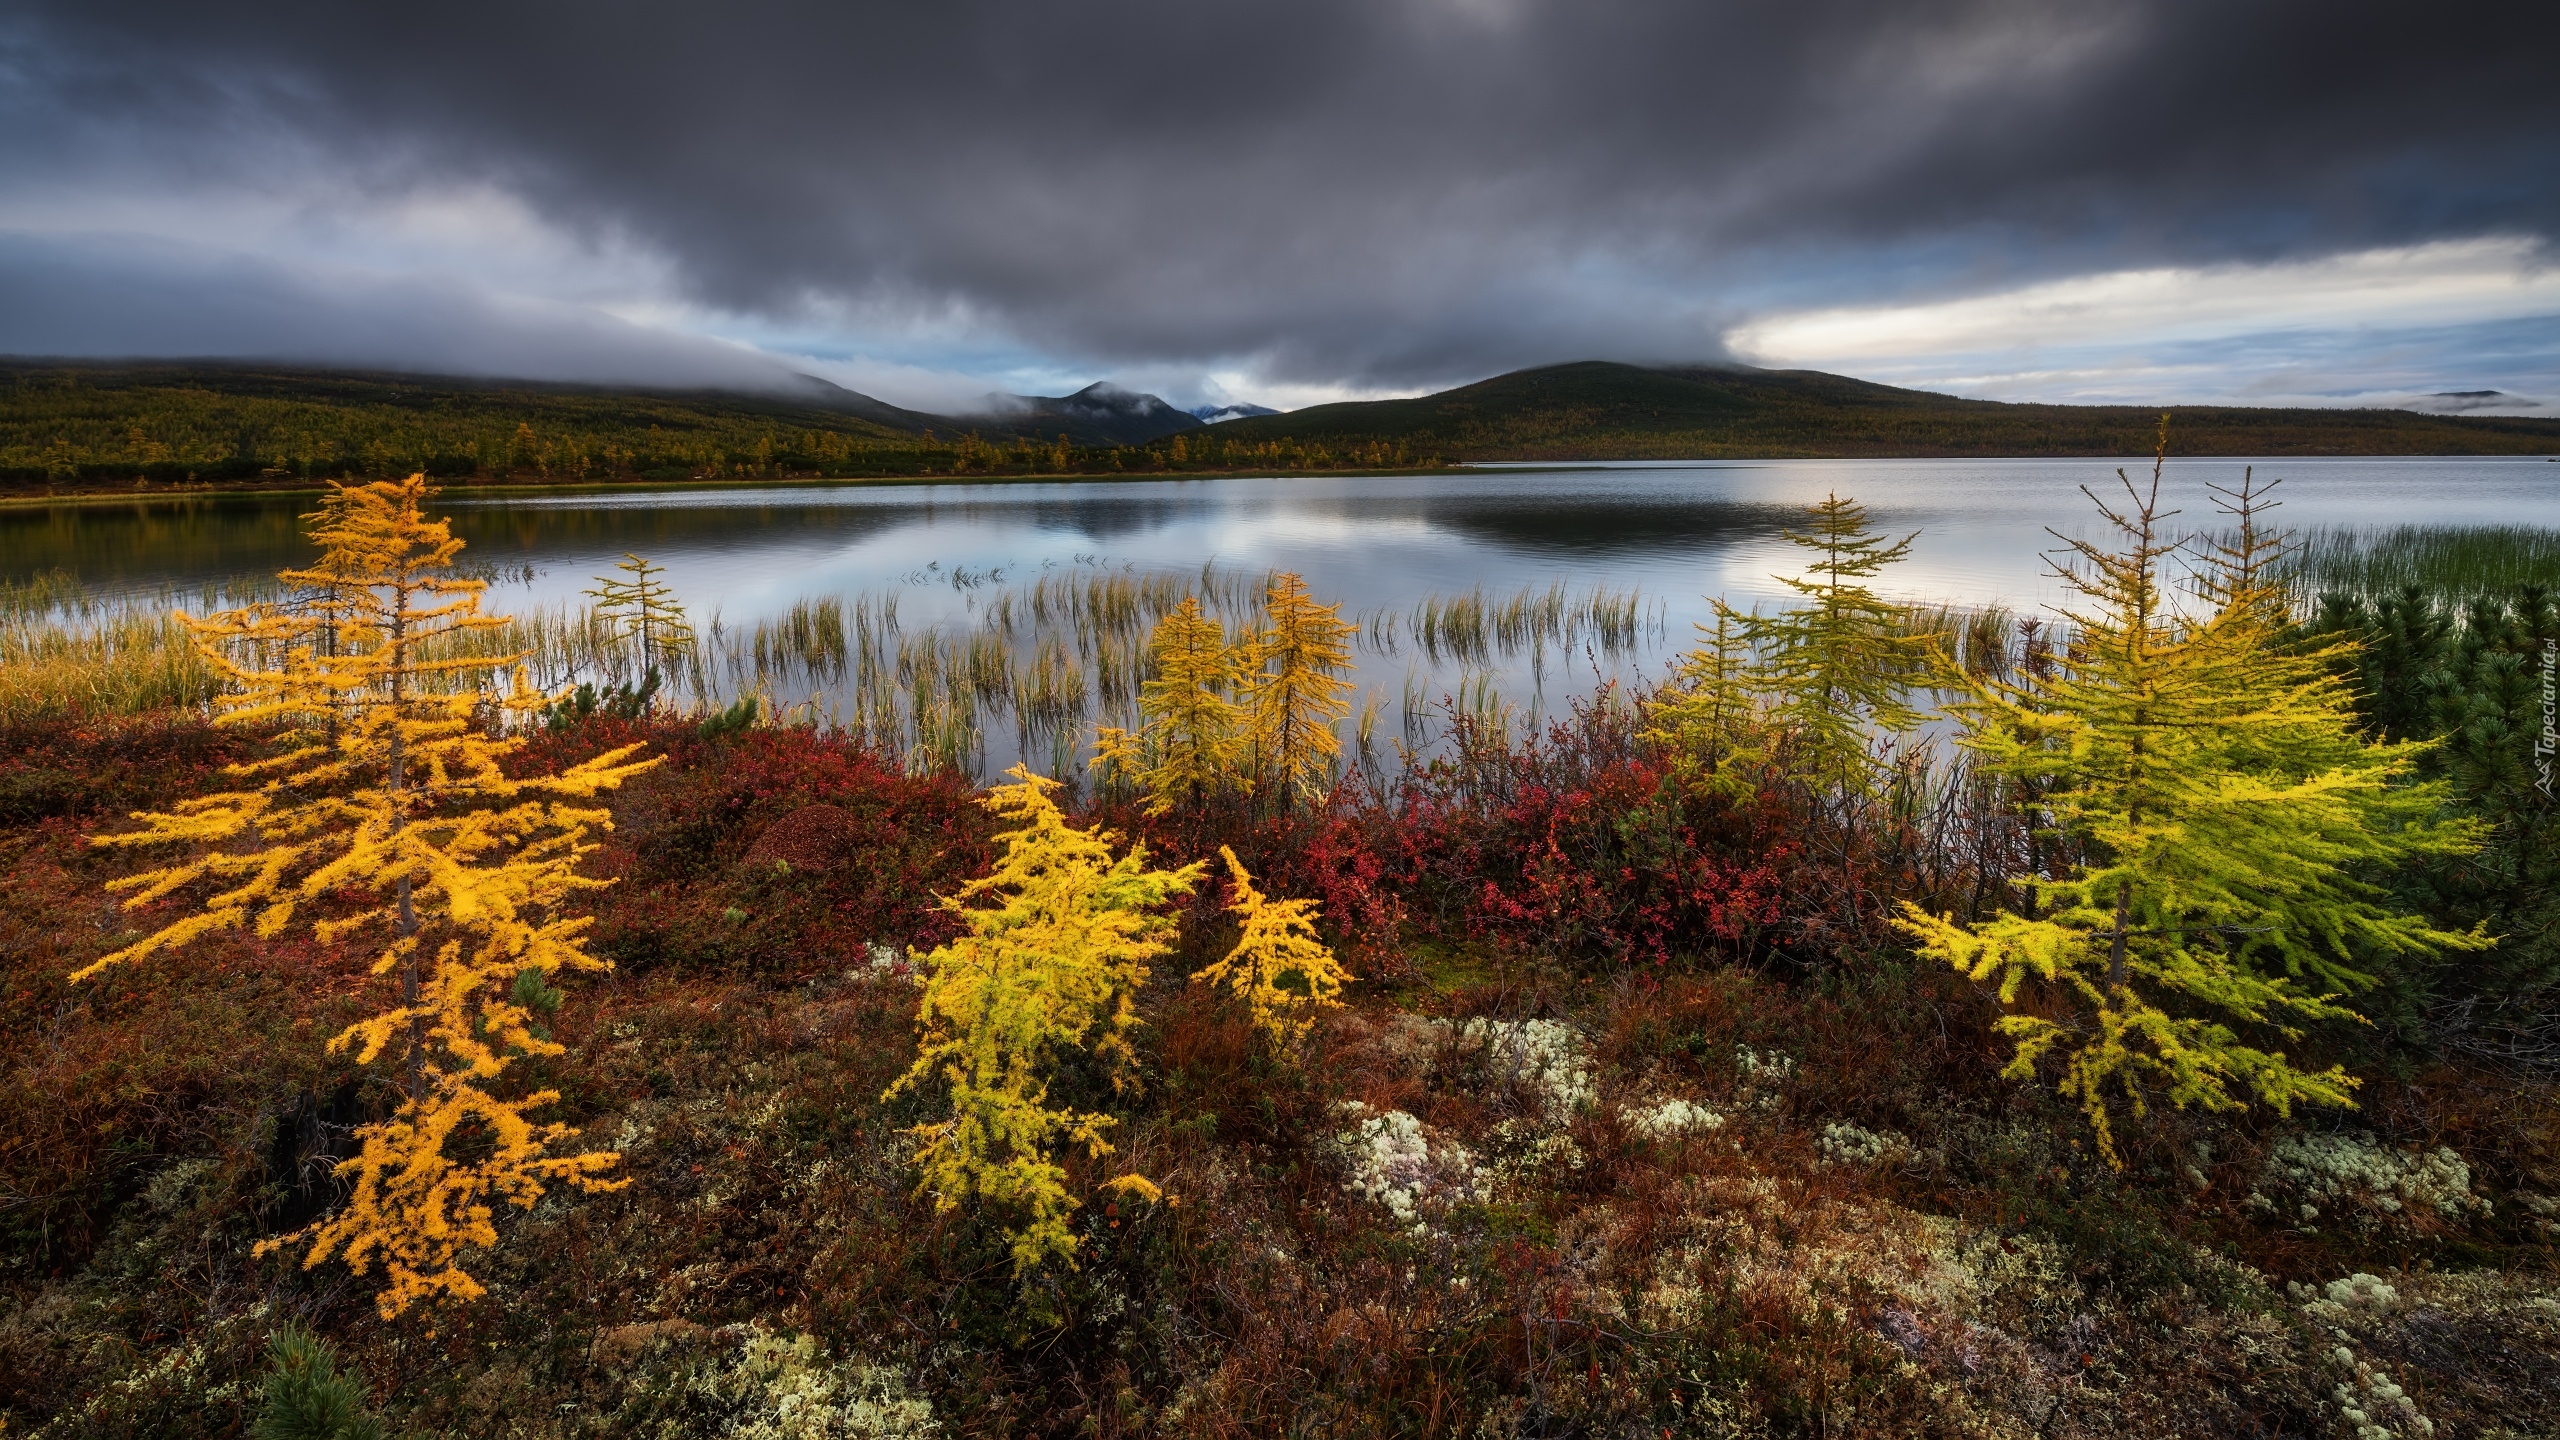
point(1676, 533)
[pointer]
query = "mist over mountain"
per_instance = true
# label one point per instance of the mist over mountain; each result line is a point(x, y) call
point(1099, 414)
point(1215, 414)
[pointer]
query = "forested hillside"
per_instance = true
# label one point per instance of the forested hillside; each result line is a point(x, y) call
point(90, 427)
point(1596, 410)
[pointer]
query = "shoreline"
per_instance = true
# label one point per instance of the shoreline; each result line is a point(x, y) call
point(513, 487)
point(202, 491)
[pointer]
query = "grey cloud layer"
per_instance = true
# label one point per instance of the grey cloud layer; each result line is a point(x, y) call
point(1391, 191)
point(93, 299)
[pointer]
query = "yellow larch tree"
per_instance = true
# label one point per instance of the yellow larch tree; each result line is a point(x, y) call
point(1057, 943)
point(1294, 690)
point(387, 783)
point(1279, 943)
point(1190, 742)
point(2212, 807)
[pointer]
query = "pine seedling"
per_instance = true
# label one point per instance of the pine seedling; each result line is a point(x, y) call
point(1057, 943)
point(305, 1396)
point(1835, 668)
point(1278, 944)
point(1709, 718)
point(2204, 785)
point(1190, 742)
point(1294, 690)
point(399, 796)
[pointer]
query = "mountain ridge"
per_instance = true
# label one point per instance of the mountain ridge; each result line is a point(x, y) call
point(1609, 410)
point(1101, 413)
point(88, 427)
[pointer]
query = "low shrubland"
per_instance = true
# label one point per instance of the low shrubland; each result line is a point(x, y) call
point(1642, 1110)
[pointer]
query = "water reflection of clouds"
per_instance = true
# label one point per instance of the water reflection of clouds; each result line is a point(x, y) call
point(1679, 532)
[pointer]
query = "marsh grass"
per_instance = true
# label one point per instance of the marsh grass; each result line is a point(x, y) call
point(1474, 627)
point(2457, 564)
point(112, 662)
point(67, 650)
point(1049, 658)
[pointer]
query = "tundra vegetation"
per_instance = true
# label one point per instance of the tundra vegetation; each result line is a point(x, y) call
point(2133, 1021)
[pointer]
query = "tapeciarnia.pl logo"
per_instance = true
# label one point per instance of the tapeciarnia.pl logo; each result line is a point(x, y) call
point(2549, 740)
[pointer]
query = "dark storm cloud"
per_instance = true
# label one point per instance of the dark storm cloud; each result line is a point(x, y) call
point(120, 300)
point(1392, 191)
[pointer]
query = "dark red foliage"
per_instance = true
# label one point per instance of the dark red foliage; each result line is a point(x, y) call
point(683, 834)
point(1603, 863)
point(1577, 844)
point(81, 768)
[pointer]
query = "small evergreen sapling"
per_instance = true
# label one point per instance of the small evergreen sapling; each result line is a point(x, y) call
point(1279, 943)
point(1050, 964)
point(1806, 691)
point(388, 785)
point(1835, 671)
point(1709, 717)
point(2209, 804)
point(307, 1397)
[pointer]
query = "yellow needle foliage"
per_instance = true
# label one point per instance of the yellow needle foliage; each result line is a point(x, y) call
point(2207, 781)
point(1055, 952)
point(1279, 942)
point(1190, 745)
point(387, 783)
point(1294, 690)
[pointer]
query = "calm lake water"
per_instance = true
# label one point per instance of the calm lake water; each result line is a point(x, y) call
point(1676, 532)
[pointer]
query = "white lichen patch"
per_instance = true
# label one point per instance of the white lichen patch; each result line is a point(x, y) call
point(1842, 1143)
point(1393, 1159)
point(1672, 1119)
point(2373, 1404)
point(1546, 1057)
point(778, 1389)
point(2359, 1173)
point(1761, 1076)
point(2359, 1296)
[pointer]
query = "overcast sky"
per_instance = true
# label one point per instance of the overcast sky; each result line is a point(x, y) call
point(2331, 202)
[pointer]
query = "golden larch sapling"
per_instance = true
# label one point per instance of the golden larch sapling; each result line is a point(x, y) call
point(2210, 802)
point(387, 783)
point(1056, 945)
point(1278, 943)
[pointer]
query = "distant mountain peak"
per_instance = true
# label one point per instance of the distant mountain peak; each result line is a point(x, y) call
point(2454, 402)
point(1100, 413)
point(1213, 414)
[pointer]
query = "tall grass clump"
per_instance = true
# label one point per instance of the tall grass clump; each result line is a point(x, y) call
point(63, 652)
point(2456, 564)
point(1474, 626)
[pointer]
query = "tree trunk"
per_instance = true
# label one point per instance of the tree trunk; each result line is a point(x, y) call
point(395, 779)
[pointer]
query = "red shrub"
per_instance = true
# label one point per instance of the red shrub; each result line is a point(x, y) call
point(684, 832)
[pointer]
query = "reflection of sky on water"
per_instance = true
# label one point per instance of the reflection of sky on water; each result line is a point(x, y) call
point(1677, 532)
